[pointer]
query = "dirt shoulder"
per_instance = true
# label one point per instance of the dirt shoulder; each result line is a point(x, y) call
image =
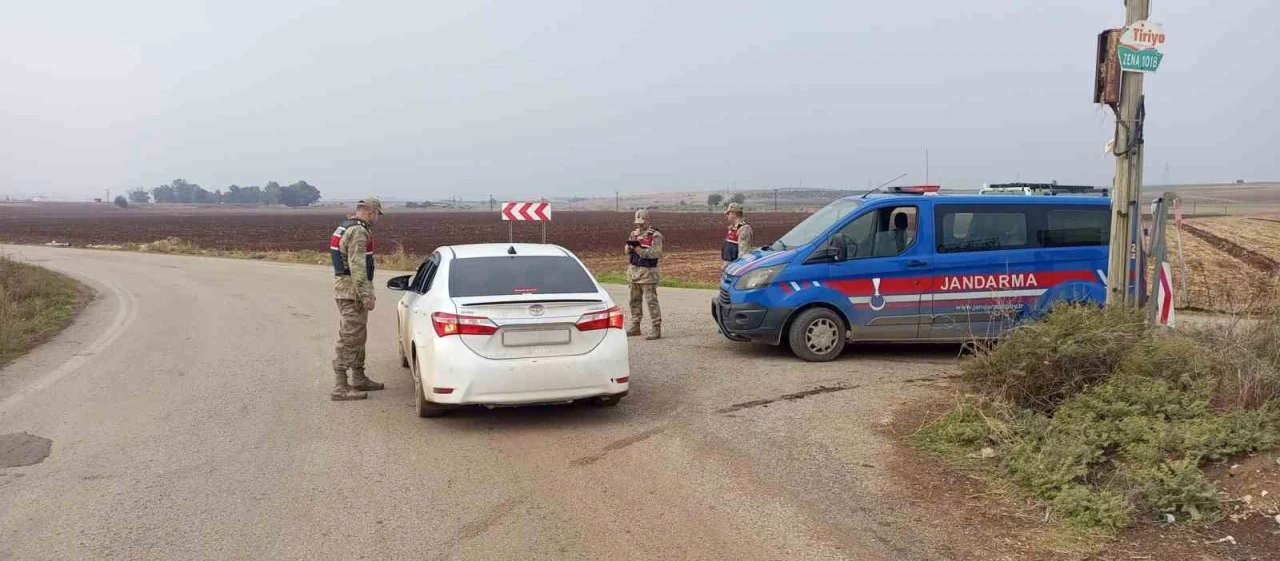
point(35, 304)
point(990, 520)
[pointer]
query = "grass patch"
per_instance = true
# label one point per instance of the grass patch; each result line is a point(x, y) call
point(35, 304)
point(1107, 420)
point(616, 277)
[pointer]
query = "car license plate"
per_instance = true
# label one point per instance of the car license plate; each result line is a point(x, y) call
point(531, 337)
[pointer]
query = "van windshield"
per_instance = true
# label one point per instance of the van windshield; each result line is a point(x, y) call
point(816, 224)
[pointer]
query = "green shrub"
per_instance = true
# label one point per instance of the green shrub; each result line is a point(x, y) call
point(1105, 419)
point(1040, 364)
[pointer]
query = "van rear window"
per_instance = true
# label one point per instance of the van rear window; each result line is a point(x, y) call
point(967, 228)
point(1071, 227)
point(502, 276)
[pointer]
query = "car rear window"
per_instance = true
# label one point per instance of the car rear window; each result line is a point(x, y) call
point(498, 276)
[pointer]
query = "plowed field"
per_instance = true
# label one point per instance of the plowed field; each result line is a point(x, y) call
point(417, 231)
point(1228, 259)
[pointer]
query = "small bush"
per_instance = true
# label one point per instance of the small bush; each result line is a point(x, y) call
point(1106, 419)
point(1040, 364)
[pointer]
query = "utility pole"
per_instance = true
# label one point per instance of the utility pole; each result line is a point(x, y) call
point(617, 200)
point(775, 199)
point(1128, 180)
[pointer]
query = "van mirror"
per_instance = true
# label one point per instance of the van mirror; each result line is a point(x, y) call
point(400, 283)
point(834, 251)
point(824, 255)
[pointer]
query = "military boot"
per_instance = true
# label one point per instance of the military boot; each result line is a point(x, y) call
point(655, 332)
point(342, 391)
point(360, 382)
point(633, 331)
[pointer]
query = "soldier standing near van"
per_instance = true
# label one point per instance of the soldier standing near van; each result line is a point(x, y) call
point(644, 248)
point(737, 241)
point(351, 248)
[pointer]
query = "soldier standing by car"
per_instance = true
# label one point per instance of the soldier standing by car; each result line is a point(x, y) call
point(737, 241)
point(644, 249)
point(351, 248)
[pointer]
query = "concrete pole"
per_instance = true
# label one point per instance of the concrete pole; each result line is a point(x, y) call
point(1128, 180)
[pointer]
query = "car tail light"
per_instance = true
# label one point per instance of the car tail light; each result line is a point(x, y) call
point(608, 319)
point(452, 324)
point(622, 380)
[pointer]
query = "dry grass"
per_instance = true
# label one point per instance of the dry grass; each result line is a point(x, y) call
point(1258, 234)
point(697, 269)
point(35, 304)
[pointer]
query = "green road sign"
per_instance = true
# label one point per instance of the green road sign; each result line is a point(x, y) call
point(1139, 47)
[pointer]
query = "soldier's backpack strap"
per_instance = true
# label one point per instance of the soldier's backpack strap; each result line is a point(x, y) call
point(335, 248)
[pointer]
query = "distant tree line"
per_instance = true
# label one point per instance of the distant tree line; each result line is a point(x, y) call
point(181, 191)
point(714, 199)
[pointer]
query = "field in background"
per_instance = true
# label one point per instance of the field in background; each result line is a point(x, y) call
point(1229, 259)
point(308, 229)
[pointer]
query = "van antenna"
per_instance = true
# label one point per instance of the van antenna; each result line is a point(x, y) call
point(881, 186)
point(511, 250)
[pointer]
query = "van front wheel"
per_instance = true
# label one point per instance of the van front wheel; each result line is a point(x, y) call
point(817, 335)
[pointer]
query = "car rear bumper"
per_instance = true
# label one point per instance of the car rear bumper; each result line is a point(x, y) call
point(475, 380)
point(749, 322)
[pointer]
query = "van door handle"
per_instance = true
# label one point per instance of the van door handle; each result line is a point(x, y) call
point(916, 263)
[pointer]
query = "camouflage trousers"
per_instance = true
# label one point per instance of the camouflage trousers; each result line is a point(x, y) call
point(353, 330)
point(640, 295)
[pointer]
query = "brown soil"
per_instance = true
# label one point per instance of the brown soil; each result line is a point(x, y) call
point(419, 232)
point(986, 520)
point(1249, 256)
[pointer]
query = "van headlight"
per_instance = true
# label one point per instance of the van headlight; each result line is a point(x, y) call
point(758, 277)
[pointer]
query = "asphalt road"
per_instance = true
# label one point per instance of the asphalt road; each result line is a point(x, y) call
point(189, 417)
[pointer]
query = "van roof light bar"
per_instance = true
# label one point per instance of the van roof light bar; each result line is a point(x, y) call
point(916, 189)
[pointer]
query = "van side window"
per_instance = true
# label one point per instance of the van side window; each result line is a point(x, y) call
point(884, 232)
point(1074, 227)
point(963, 229)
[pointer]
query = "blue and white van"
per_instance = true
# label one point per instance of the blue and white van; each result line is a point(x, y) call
point(906, 266)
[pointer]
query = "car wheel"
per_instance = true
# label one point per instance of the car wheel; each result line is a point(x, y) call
point(425, 408)
point(817, 335)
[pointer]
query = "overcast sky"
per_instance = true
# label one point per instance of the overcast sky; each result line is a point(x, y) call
point(427, 99)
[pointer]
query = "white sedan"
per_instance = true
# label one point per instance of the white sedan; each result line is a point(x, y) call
point(509, 324)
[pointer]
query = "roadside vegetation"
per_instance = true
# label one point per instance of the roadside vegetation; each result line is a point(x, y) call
point(1109, 421)
point(35, 304)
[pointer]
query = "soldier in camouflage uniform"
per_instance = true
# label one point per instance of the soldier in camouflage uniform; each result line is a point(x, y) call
point(644, 248)
point(351, 247)
point(737, 241)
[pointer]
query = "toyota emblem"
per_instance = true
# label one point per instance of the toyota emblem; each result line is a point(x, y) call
point(537, 310)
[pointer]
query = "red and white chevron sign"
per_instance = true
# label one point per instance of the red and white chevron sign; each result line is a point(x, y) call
point(533, 212)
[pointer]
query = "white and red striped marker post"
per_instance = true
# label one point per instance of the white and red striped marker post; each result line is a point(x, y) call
point(1164, 295)
point(526, 212)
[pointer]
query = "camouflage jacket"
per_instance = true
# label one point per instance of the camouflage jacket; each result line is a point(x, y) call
point(352, 245)
point(643, 267)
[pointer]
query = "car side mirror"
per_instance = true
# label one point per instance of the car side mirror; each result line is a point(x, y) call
point(400, 283)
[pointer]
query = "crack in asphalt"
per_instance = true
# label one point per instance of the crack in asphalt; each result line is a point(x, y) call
point(785, 397)
point(617, 445)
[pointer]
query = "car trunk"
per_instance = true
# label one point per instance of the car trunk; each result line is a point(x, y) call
point(532, 325)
